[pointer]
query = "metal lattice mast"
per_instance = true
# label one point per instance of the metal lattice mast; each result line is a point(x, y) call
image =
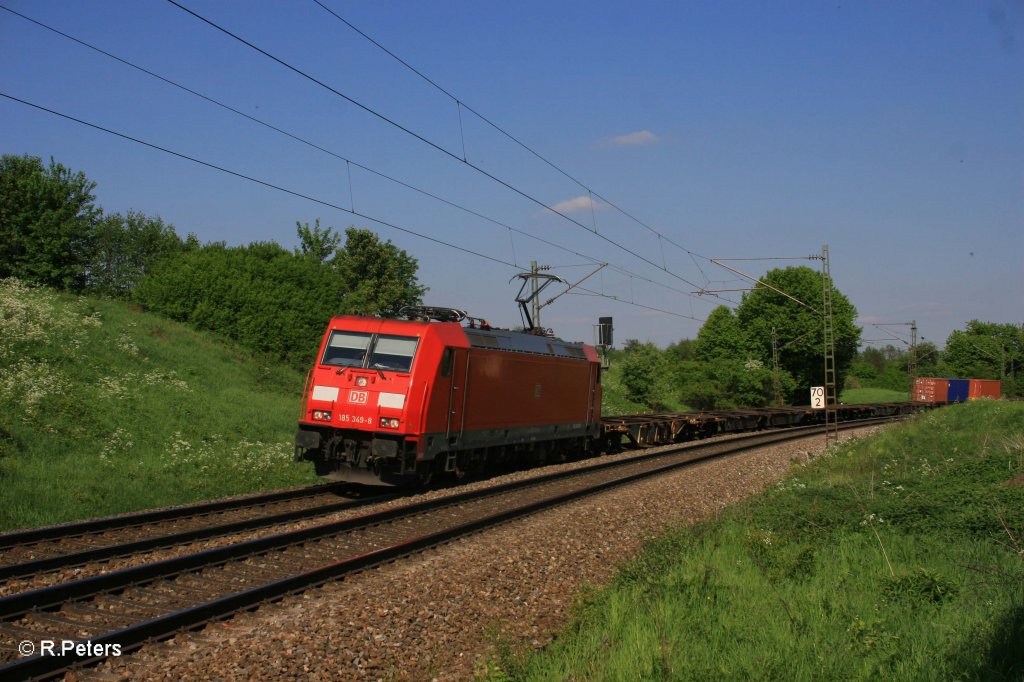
point(831, 416)
point(776, 378)
point(534, 298)
point(912, 368)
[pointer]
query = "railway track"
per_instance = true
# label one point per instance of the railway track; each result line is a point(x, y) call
point(30, 552)
point(37, 552)
point(129, 607)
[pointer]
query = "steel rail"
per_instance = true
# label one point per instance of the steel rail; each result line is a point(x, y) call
point(133, 636)
point(76, 528)
point(124, 522)
point(91, 526)
point(42, 598)
point(107, 552)
point(18, 604)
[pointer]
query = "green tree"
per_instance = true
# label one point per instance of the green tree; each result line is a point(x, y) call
point(376, 278)
point(880, 368)
point(733, 372)
point(263, 296)
point(889, 367)
point(928, 358)
point(702, 385)
point(986, 350)
point(644, 373)
point(721, 337)
point(724, 383)
point(124, 247)
point(46, 220)
point(873, 358)
point(277, 301)
point(681, 351)
point(320, 244)
point(799, 330)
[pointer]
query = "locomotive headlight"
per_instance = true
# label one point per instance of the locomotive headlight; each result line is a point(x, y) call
point(322, 415)
point(360, 381)
point(389, 423)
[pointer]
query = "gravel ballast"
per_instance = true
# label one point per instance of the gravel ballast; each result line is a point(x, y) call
point(439, 614)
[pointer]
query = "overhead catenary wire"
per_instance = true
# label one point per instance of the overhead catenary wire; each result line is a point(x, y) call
point(462, 105)
point(285, 190)
point(591, 292)
point(348, 162)
point(421, 138)
point(728, 260)
point(250, 178)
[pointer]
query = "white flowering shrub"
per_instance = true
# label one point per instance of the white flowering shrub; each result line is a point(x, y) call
point(126, 344)
point(117, 445)
point(790, 484)
point(40, 334)
point(28, 382)
point(126, 385)
point(32, 324)
point(249, 460)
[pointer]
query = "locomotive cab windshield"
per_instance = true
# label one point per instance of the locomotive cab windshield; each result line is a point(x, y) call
point(387, 352)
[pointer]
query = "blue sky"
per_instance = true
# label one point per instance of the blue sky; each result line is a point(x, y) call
point(893, 132)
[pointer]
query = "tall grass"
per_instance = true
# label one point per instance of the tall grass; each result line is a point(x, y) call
point(897, 557)
point(105, 409)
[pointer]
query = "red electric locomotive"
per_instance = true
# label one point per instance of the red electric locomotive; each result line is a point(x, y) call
point(393, 401)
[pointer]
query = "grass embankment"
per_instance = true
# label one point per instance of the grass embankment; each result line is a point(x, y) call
point(104, 409)
point(896, 557)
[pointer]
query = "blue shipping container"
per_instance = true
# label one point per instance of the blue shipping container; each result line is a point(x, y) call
point(959, 390)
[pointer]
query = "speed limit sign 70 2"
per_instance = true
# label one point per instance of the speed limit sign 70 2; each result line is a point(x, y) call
point(817, 397)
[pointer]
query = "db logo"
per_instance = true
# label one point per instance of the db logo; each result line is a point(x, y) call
point(357, 397)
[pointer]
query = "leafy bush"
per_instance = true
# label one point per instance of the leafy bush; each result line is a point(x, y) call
point(262, 296)
point(123, 248)
point(275, 301)
point(46, 221)
point(644, 371)
point(725, 383)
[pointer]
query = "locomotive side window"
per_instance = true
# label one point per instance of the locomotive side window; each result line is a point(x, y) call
point(347, 349)
point(393, 353)
point(446, 362)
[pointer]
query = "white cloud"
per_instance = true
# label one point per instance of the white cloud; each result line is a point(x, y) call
point(634, 139)
point(577, 205)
